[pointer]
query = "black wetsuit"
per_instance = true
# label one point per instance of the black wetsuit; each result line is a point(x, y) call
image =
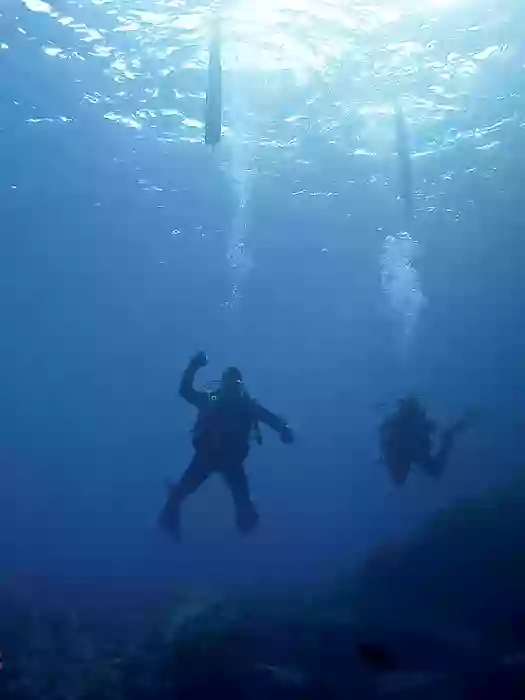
point(221, 438)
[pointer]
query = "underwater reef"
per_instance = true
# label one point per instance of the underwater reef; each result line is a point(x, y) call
point(439, 614)
point(465, 567)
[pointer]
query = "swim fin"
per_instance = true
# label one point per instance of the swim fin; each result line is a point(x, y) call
point(169, 516)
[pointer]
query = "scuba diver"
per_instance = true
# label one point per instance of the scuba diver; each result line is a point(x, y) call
point(227, 419)
point(407, 436)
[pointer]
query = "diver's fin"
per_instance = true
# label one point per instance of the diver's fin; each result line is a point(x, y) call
point(469, 419)
point(169, 517)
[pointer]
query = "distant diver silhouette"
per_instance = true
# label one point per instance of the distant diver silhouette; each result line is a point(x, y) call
point(407, 436)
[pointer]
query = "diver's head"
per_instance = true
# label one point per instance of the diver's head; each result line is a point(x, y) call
point(410, 405)
point(231, 382)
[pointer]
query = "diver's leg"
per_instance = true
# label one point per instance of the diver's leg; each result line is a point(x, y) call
point(434, 466)
point(399, 468)
point(246, 515)
point(194, 476)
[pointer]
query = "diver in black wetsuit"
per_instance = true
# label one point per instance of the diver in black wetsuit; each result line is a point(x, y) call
point(227, 419)
point(406, 439)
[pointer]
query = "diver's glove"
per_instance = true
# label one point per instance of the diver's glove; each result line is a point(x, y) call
point(287, 435)
point(199, 360)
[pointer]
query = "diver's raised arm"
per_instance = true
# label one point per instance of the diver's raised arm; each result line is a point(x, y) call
point(186, 388)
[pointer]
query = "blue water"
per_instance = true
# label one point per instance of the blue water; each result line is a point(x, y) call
point(126, 246)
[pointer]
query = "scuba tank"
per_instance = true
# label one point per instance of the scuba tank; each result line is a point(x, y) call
point(203, 421)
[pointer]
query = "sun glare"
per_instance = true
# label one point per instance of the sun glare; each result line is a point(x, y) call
point(307, 34)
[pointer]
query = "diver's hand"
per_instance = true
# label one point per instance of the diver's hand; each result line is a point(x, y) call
point(200, 359)
point(287, 435)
